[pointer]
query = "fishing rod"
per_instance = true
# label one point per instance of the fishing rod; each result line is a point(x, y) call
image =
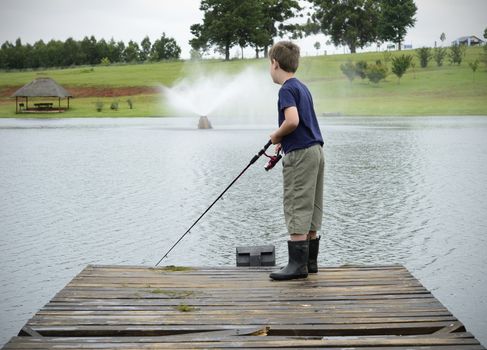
point(270, 164)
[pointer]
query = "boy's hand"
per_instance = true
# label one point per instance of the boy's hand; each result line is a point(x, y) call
point(275, 139)
point(278, 148)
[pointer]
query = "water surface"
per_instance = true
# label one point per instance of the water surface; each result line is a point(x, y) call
point(121, 191)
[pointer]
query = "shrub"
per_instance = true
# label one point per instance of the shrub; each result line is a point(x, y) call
point(424, 55)
point(400, 65)
point(457, 52)
point(360, 69)
point(130, 103)
point(348, 69)
point(99, 106)
point(387, 55)
point(376, 72)
point(114, 105)
point(439, 55)
point(473, 66)
point(105, 61)
point(484, 56)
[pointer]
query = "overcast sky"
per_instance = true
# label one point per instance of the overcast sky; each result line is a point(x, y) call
point(126, 20)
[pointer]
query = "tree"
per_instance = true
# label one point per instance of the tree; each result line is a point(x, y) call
point(485, 33)
point(442, 37)
point(396, 16)
point(101, 49)
point(7, 55)
point(132, 52)
point(348, 69)
point(54, 51)
point(457, 52)
point(40, 54)
point(18, 54)
point(400, 65)
point(219, 27)
point(439, 55)
point(352, 23)
point(317, 46)
point(88, 49)
point(255, 23)
point(248, 17)
point(424, 55)
point(145, 45)
point(165, 48)
point(72, 55)
point(276, 15)
point(119, 50)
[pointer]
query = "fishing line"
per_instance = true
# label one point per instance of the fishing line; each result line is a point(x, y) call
point(270, 164)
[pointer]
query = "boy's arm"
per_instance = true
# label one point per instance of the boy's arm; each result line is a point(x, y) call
point(291, 122)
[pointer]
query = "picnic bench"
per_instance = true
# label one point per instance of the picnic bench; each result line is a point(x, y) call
point(43, 105)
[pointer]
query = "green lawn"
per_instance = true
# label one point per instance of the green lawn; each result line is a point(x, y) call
point(447, 90)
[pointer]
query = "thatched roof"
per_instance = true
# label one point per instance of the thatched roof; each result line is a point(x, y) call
point(42, 87)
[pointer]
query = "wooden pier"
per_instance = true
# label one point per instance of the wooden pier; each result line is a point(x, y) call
point(350, 307)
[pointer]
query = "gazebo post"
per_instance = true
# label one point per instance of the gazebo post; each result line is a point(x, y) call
point(59, 105)
point(68, 102)
point(26, 102)
point(16, 104)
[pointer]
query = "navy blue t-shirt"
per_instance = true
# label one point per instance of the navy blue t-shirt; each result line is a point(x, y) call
point(295, 93)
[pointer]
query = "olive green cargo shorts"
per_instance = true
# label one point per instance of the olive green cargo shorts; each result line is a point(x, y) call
point(303, 172)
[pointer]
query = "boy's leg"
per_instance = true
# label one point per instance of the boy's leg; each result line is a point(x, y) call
point(300, 170)
point(317, 217)
point(311, 235)
point(314, 242)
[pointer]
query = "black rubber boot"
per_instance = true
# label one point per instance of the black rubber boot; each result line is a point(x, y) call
point(314, 247)
point(297, 266)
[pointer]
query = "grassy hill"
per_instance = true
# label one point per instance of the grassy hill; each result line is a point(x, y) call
point(447, 90)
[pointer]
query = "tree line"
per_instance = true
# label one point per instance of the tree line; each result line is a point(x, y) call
point(230, 23)
point(89, 51)
point(255, 23)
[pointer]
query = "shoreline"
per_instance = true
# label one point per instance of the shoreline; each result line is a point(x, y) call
point(57, 117)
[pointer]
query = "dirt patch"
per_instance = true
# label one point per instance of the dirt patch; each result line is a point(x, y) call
point(95, 91)
point(113, 91)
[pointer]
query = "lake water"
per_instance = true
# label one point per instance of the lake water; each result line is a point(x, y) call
point(121, 191)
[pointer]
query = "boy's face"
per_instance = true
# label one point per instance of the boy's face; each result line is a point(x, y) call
point(273, 69)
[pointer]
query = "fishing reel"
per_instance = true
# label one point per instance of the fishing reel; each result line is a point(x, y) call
point(273, 160)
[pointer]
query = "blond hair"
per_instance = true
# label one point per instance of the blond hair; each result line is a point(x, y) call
point(286, 53)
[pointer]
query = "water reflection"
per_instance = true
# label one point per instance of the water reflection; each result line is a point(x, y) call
point(89, 191)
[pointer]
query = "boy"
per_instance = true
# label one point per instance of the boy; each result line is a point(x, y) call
point(300, 138)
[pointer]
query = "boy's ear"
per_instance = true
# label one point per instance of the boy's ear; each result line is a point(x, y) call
point(275, 64)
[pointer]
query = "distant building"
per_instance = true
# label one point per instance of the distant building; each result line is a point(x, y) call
point(467, 40)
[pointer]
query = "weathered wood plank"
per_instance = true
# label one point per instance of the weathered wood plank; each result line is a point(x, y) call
point(345, 307)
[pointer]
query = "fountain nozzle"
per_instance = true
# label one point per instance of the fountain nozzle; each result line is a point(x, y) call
point(204, 123)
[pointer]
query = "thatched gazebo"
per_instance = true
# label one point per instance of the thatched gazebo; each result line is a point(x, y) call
point(41, 87)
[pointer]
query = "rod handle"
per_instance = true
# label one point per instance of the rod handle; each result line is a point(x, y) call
point(261, 152)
